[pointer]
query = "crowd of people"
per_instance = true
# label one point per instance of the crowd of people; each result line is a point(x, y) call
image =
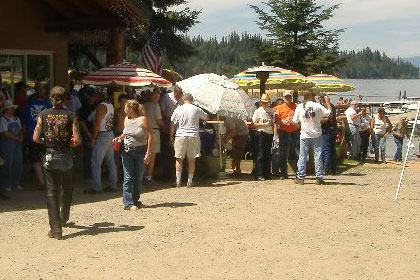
point(371, 131)
point(43, 130)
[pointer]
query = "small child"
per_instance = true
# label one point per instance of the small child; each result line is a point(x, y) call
point(11, 147)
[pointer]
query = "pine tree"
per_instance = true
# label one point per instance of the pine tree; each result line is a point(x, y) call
point(297, 37)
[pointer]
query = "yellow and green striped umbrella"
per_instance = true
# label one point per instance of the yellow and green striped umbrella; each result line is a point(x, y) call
point(280, 78)
point(328, 83)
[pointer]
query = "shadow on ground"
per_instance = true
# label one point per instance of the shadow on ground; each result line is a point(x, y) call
point(99, 228)
point(31, 199)
point(170, 205)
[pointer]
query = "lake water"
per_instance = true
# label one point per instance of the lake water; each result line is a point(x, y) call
point(382, 90)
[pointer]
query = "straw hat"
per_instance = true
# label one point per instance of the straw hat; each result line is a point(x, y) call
point(9, 104)
point(265, 98)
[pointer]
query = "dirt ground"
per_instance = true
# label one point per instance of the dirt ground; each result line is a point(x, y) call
point(348, 229)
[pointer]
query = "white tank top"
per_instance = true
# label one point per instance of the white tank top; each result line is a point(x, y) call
point(107, 122)
point(379, 126)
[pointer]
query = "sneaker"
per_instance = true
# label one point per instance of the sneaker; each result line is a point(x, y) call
point(131, 208)
point(8, 189)
point(19, 188)
point(149, 183)
point(178, 184)
point(299, 181)
point(320, 182)
point(190, 184)
point(55, 235)
point(91, 191)
point(139, 205)
point(260, 178)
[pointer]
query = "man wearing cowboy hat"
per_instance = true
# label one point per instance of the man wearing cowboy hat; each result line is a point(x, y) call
point(263, 123)
point(10, 148)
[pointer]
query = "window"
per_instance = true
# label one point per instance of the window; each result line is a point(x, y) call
point(28, 66)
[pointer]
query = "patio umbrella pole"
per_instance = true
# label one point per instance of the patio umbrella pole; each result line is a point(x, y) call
point(221, 174)
point(263, 80)
point(406, 154)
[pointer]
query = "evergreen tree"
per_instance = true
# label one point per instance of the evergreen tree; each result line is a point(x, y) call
point(297, 37)
point(229, 56)
point(171, 24)
point(87, 51)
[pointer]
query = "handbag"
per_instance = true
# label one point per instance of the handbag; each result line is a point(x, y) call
point(60, 160)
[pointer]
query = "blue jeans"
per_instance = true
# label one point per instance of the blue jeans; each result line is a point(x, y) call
point(329, 158)
point(364, 136)
point(289, 142)
point(316, 145)
point(133, 166)
point(379, 144)
point(355, 141)
point(398, 152)
point(275, 158)
point(264, 142)
point(103, 150)
point(11, 171)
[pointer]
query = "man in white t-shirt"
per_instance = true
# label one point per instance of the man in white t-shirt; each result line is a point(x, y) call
point(308, 116)
point(354, 122)
point(168, 103)
point(186, 141)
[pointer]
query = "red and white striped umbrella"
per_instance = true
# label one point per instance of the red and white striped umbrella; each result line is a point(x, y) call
point(125, 74)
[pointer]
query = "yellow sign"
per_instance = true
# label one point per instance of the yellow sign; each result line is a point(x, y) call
point(116, 96)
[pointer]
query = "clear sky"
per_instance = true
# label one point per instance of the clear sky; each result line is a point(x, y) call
point(392, 26)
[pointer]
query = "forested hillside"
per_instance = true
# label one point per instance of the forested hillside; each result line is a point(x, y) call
point(368, 64)
point(235, 53)
point(227, 56)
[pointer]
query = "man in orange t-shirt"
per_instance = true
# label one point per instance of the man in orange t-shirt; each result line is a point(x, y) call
point(287, 134)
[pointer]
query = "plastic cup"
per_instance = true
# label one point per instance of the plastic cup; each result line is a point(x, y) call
point(117, 145)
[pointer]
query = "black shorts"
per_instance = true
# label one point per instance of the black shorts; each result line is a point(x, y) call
point(35, 152)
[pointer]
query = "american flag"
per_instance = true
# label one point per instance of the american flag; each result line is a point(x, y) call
point(151, 54)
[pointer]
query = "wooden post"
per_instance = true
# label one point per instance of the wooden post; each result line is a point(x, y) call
point(115, 49)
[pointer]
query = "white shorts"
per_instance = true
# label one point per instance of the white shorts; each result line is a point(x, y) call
point(155, 141)
point(187, 146)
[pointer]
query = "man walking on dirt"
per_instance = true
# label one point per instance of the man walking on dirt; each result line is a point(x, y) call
point(58, 125)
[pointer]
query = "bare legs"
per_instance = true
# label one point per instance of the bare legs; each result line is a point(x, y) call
point(236, 166)
point(151, 166)
point(191, 169)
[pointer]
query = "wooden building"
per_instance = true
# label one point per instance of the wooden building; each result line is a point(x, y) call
point(34, 34)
